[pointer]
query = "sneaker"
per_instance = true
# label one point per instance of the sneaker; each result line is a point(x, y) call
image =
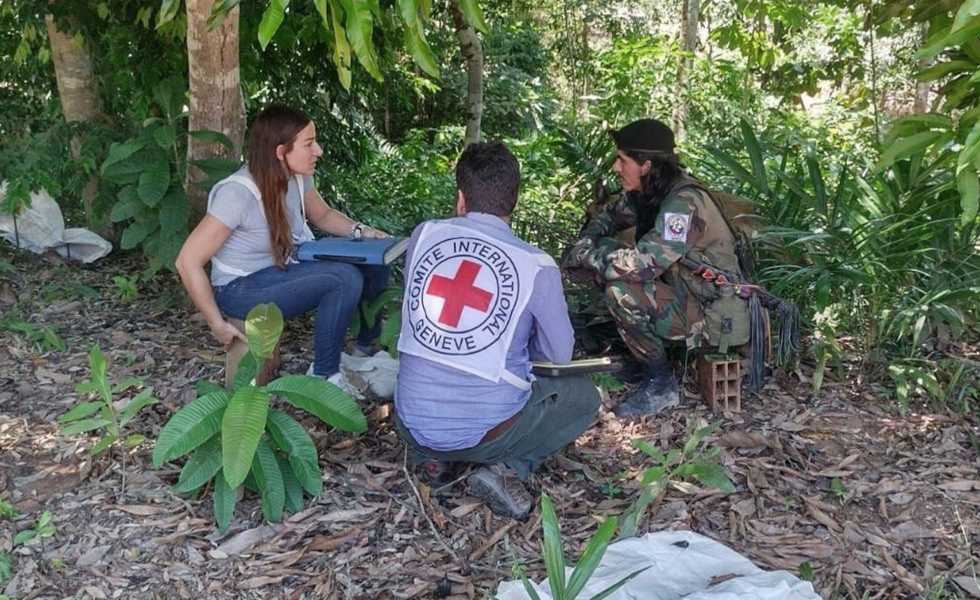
point(658, 393)
point(341, 381)
point(503, 492)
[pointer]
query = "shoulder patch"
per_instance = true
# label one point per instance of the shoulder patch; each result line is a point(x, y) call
point(676, 226)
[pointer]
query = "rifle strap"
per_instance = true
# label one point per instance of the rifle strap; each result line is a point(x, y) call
point(743, 247)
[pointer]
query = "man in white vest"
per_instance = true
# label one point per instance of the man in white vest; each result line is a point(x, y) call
point(480, 304)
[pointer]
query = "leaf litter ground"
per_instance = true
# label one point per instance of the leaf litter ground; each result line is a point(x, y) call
point(870, 503)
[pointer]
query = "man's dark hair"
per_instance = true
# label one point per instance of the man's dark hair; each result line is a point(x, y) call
point(489, 177)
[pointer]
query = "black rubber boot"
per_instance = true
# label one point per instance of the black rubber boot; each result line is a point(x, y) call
point(659, 392)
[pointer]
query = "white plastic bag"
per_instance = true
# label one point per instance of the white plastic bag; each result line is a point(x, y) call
point(683, 564)
point(41, 227)
point(378, 372)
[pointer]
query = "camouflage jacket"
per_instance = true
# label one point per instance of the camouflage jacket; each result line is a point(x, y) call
point(687, 223)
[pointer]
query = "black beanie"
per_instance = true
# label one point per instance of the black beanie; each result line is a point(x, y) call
point(645, 135)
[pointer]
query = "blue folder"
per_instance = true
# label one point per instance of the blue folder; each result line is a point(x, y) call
point(363, 251)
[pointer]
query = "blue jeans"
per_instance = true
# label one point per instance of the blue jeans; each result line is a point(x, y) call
point(334, 289)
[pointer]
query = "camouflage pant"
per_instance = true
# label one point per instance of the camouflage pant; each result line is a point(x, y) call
point(646, 314)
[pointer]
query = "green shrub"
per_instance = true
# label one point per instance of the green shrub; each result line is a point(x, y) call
point(235, 438)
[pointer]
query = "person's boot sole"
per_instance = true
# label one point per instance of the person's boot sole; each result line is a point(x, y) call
point(484, 491)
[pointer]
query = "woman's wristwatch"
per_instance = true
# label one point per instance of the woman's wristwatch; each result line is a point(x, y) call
point(357, 231)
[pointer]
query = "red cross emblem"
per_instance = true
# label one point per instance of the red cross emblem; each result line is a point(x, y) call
point(459, 292)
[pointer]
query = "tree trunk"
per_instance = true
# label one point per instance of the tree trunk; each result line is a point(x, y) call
point(922, 88)
point(472, 51)
point(689, 45)
point(216, 101)
point(79, 95)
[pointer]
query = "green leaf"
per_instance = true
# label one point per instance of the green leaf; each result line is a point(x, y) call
point(971, 150)
point(968, 185)
point(165, 136)
point(263, 327)
point(84, 425)
point(648, 449)
point(241, 428)
point(271, 20)
point(265, 468)
point(219, 10)
point(153, 184)
point(120, 152)
point(907, 146)
point(966, 13)
point(168, 10)
point(554, 558)
point(359, 31)
point(474, 15)
point(203, 464)
point(24, 536)
point(415, 38)
point(612, 589)
point(940, 70)
point(80, 411)
point(529, 588)
point(103, 444)
point(127, 206)
point(341, 47)
point(294, 491)
point(713, 475)
point(956, 38)
point(590, 557)
point(212, 137)
point(142, 400)
point(321, 398)
point(136, 233)
point(190, 427)
point(173, 212)
point(755, 154)
point(128, 382)
point(134, 439)
point(290, 437)
point(225, 498)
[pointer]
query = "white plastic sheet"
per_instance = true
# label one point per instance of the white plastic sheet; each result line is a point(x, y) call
point(683, 564)
point(379, 372)
point(41, 227)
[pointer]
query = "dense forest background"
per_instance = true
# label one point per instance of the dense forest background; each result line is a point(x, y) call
point(852, 126)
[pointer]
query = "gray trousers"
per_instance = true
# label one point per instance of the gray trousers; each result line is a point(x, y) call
point(558, 411)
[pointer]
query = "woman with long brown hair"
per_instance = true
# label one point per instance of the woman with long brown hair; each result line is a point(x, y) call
point(255, 220)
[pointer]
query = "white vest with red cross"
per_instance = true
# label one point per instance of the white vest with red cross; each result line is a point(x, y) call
point(464, 294)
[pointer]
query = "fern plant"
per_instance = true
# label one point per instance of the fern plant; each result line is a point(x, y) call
point(235, 438)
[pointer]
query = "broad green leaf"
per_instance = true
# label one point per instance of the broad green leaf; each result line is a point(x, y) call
point(966, 13)
point(127, 206)
point(153, 184)
point(84, 425)
point(134, 439)
point(80, 411)
point(127, 383)
point(24, 536)
point(241, 428)
point(120, 152)
point(204, 387)
point(905, 147)
point(173, 212)
point(755, 155)
point(168, 10)
point(341, 47)
point(590, 557)
point(225, 498)
point(165, 136)
point(970, 153)
point(136, 233)
point(271, 20)
point(212, 137)
point(474, 15)
point(648, 449)
point(968, 32)
point(263, 327)
point(203, 464)
point(969, 186)
point(142, 400)
point(103, 444)
point(190, 427)
point(265, 468)
point(290, 437)
point(554, 558)
point(247, 369)
point(713, 475)
point(321, 398)
point(415, 38)
point(359, 31)
point(652, 474)
point(294, 491)
point(940, 70)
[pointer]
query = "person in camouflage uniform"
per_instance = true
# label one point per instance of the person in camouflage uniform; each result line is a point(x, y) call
point(652, 297)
